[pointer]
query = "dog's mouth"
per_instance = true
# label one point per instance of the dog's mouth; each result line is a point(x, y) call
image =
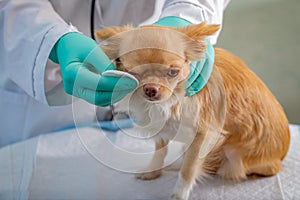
point(152, 99)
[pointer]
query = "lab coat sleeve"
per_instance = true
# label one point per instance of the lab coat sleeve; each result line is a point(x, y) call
point(196, 11)
point(29, 30)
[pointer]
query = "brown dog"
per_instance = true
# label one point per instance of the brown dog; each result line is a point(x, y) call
point(237, 126)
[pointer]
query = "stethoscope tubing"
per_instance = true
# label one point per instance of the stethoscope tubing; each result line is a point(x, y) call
point(92, 19)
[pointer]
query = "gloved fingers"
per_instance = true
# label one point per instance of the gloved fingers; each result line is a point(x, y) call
point(109, 98)
point(99, 60)
point(200, 71)
point(196, 86)
point(172, 21)
point(196, 68)
point(90, 96)
point(99, 98)
point(81, 76)
point(210, 51)
point(202, 78)
point(78, 47)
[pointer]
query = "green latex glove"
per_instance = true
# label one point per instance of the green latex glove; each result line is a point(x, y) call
point(82, 62)
point(200, 70)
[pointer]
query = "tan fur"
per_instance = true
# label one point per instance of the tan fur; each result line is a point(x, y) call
point(235, 102)
point(157, 161)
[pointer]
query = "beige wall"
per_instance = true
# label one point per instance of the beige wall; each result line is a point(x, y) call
point(266, 35)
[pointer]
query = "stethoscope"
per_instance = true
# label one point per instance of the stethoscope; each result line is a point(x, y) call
point(125, 121)
point(92, 19)
point(109, 124)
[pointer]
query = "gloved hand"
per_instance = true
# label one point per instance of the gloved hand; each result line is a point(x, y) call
point(200, 70)
point(82, 61)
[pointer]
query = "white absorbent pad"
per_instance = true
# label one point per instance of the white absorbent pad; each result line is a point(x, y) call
point(92, 164)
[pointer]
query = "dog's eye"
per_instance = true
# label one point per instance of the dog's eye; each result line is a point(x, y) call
point(120, 65)
point(173, 73)
point(118, 61)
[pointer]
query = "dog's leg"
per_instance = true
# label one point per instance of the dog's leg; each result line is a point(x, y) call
point(154, 169)
point(189, 170)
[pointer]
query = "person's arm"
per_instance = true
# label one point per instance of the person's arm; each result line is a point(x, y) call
point(196, 11)
point(32, 32)
point(29, 30)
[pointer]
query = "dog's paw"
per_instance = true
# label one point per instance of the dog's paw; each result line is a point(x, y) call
point(175, 197)
point(149, 175)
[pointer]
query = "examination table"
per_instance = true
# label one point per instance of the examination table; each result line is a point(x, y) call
point(85, 164)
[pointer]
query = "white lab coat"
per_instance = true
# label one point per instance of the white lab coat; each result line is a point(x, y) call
point(32, 101)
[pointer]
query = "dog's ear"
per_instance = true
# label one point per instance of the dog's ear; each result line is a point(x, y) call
point(112, 31)
point(199, 31)
point(110, 38)
point(194, 38)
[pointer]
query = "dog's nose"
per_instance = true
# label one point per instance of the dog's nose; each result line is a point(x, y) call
point(151, 91)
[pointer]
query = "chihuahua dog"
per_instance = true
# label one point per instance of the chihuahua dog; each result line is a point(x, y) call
point(234, 127)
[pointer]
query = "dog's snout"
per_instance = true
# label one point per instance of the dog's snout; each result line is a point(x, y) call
point(151, 91)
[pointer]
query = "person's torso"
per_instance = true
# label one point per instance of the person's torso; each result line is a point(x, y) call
point(107, 12)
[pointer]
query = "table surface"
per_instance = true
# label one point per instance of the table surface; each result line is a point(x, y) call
point(85, 164)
